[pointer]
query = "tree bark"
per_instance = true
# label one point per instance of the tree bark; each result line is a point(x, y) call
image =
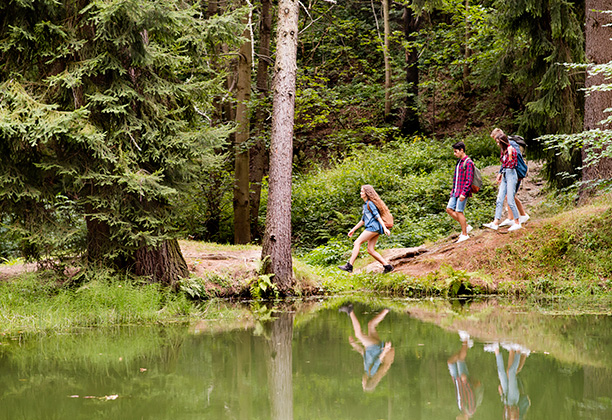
point(466, 52)
point(164, 264)
point(276, 248)
point(598, 49)
point(242, 223)
point(410, 119)
point(280, 367)
point(387, 29)
point(258, 150)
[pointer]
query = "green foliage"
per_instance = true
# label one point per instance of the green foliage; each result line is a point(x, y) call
point(262, 287)
point(104, 118)
point(333, 252)
point(414, 179)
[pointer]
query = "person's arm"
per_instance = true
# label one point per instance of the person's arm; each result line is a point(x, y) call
point(357, 226)
point(468, 178)
point(380, 220)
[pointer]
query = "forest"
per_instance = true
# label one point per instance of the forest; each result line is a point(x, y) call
point(128, 125)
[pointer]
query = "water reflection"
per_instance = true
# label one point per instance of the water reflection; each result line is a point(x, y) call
point(468, 390)
point(377, 355)
point(299, 364)
point(511, 389)
point(280, 373)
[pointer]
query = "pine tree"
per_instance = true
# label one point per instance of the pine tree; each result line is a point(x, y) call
point(103, 110)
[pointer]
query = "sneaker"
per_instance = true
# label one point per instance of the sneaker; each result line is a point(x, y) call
point(515, 226)
point(491, 225)
point(347, 267)
point(346, 308)
point(463, 238)
point(465, 338)
point(387, 268)
point(491, 347)
point(507, 222)
point(523, 219)
point(469, 228)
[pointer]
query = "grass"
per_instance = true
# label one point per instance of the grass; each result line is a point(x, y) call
point(31, 303)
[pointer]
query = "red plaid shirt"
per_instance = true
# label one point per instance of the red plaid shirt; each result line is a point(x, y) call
point(509, 158)
point(462, 180)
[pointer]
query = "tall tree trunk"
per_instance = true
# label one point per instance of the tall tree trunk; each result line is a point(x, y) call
point(276, 248)
point(258, 150)
point(598, 51)
point(242, 223)
point(387, 29)
point(410, 119)
point(466, 52)
point(164, 264)
point(280, 367)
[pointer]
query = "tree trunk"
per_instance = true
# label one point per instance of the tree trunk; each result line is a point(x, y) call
point(242, 224)
point(598, 51)
point(276, 248)
point(258, 151)
point(98, 237)
point(280, 367)
point(410, 119)
point(164, 264)
point(466, 52)
point(387, 29)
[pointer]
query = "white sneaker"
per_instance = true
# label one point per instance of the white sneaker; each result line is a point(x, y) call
point(491, 347)
point(463, 238)
point(465, 337)
point(515, 226)
point(523, 219)
point(507, 222)
point(491, 225)
point(469, 228)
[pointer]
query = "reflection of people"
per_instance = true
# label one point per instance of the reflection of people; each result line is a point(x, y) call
point(468, 391)
point(377, 355)
point(516, 402)
point(374, 226)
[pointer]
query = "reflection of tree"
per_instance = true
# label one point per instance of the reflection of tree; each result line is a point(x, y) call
point(280, 363)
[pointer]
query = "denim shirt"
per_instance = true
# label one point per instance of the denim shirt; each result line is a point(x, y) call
point(370, 216)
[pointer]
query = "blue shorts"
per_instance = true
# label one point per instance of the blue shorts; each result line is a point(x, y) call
point(455, 204)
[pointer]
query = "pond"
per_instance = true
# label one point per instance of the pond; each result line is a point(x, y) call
point(424, 360)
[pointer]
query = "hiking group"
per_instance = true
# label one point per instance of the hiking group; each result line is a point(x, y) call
point(377, 218)
point(512, 171)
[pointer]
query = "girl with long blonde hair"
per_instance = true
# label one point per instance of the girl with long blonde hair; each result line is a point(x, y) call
point(371, 218)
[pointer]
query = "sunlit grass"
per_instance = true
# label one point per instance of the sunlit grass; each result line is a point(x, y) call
point(29, 303)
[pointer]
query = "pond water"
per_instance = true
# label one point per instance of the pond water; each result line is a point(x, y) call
point(310, 362)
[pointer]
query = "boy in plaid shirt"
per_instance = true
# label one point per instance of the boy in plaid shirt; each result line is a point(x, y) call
point(462, 189)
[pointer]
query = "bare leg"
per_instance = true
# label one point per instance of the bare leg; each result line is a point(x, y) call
point(519, 206)
point(363, 237)
point(372, 251)
point(364, 339)
point(374, 322)
point(460, 217)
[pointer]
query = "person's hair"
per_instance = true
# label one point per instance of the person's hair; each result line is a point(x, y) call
point(496, 132)
point(503, 141)
point(373, 196)
point(459, 146)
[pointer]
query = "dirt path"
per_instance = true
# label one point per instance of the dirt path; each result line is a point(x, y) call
point(467, 255)
point(209, 261)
